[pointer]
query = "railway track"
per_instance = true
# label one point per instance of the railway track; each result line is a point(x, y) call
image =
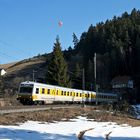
point(18, 109)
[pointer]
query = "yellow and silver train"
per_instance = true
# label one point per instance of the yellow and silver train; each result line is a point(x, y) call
point(33, 93)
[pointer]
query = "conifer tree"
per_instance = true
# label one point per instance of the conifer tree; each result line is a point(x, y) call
point(90, 74)
point(77, 70)
point(57, 68)
point(75, 40)
point(78, 77)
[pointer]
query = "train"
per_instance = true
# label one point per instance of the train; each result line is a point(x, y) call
point(38, 93)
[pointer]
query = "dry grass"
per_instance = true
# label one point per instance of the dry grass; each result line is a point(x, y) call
point(23, 66)
point(43, 116)
point(59, 114)
point(5, 66)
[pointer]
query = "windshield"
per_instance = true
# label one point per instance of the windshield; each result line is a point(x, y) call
point(26, 89)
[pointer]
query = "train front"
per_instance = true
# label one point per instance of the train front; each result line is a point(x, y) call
point(25, 93)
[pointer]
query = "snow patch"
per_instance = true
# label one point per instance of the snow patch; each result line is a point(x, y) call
point(34, 130)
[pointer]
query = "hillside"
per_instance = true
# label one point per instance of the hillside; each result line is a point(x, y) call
point(5, 66)
point(22, 71)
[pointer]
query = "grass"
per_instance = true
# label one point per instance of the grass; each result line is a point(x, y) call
point(67, 114)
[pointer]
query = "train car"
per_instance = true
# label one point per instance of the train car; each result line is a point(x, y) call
point(33, 92)
point(37, 93)
point(106, 97)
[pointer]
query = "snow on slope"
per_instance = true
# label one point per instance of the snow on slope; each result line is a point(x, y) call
point(135, 111)
point(68, 130)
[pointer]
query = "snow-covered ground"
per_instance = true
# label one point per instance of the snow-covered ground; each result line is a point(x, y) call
point(68, 130)
point(136, 111)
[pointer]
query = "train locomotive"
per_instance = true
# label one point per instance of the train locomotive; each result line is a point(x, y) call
point(38, 93)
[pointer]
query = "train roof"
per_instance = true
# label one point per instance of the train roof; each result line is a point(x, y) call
point(47, 85)
point(107, 93)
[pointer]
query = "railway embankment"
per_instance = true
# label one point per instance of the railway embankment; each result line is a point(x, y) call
point(50, 114)
point(65, 114)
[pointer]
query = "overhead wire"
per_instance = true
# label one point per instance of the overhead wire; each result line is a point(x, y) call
point(9, 45)
point(15, 49)
point(4, 54)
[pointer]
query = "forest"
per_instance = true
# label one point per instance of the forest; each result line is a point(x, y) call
point(116, 43)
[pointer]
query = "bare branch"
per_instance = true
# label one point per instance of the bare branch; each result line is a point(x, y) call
point(81, 133)
point(107, 136)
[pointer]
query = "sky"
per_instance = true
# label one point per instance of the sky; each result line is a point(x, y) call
point(30, 27)
point(69, 130)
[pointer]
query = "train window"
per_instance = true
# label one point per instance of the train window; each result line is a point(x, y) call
point(77, 94)
point(61, 92)
point(43, 90)
point(37, 90)
point(80, 94)
point(64, 93)
point(57, 92)
point(48, 91)
point(67, 93)
point(53, 92)
point(71, 94)
point(74, 94)
point(88, 95)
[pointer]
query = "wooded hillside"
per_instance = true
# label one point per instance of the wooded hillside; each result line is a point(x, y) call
point(116, 43)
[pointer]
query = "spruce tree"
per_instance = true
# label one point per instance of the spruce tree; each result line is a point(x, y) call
point(78, 77)
point(90, 74)
point(57, 68)
point(75, 40)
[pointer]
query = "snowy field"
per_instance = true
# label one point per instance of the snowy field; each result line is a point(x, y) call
point(68, 130)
